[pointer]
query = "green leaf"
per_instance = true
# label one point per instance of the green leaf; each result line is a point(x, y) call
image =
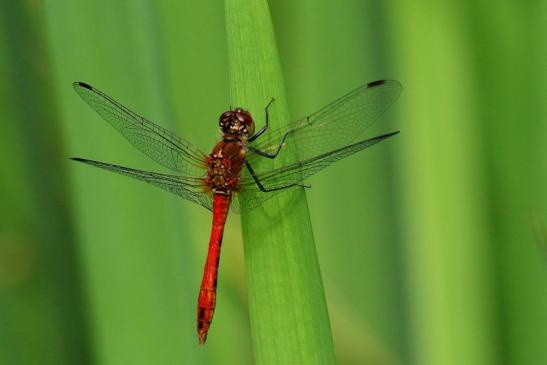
point(289, 318)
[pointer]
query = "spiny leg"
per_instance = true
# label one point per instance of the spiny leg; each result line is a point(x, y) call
point(265, 127)
point(265, 189)
point(271, 155)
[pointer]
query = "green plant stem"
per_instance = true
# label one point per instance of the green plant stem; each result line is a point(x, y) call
point(288, 312)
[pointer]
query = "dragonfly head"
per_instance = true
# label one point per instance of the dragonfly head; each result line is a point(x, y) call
point(237, 122)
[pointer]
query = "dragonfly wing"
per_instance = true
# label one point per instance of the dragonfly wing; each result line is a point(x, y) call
point(154, 141)
point(295, 173)
point(332, 127)
point(189, 188)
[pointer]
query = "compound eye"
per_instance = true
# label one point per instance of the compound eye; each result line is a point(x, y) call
point(240, 117)
point(225, 118)
point(244, 118)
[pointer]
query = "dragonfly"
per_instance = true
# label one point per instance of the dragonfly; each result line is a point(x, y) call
point(215, 180)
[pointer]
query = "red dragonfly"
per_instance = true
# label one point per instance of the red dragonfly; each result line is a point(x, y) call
point(215, 180)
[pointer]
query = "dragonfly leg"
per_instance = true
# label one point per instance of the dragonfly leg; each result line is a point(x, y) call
point(274, 154)
point(265, 189)
point(265, 128)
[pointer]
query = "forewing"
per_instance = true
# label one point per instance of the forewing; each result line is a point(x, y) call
point(189, 188)
point(334, 126)
point(154, 141)
point(251, 196)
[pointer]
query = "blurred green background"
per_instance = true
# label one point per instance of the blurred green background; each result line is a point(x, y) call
point(432, 245)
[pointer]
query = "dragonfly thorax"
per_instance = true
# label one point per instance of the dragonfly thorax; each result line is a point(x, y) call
point(237, 123)
point(224, 166)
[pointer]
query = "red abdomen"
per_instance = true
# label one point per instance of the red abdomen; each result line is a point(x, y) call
point(208, 290)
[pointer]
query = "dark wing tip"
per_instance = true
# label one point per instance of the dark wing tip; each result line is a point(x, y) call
point(77, 159)
point(387, 135)
point(376, 83)
point(82, 84)
point(393, 83)
point(92, 162)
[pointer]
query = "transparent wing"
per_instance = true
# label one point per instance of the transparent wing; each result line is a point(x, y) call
point(154, 141)
point(251, 196)
point(332, 127)
point(189, 188)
